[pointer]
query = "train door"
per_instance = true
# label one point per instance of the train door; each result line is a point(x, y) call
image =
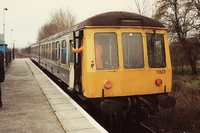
point(76, 62)
point(71, 65)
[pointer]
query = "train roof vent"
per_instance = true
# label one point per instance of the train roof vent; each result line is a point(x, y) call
point(131, 22)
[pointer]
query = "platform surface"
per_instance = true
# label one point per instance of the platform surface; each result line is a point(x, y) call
point(32, 103)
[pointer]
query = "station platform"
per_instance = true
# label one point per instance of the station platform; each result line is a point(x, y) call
point(32, 103)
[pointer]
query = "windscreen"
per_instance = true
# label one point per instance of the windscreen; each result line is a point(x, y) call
point(106, 51)
point(133, 56)
point(156, 50)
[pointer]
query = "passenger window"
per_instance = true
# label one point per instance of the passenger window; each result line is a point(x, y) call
point(46, 51)
point(49, 57)
point(54, 51)
point(132, 46)
point(43, 51)
point(156, 50)
point(58, 50)
point(106, 51)
point(70, 54)
point(63, 52)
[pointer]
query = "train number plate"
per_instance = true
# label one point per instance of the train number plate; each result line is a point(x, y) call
point(160, 71)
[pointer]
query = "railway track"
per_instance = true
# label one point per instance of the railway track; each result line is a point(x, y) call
point(146, 128)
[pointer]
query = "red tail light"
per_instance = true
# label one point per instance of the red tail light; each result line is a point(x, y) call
point(158, 81)
point(108, 85)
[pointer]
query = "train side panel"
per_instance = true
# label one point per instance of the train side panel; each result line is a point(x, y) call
point(54, 56)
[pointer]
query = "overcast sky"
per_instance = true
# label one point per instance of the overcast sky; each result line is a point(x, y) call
point(26, 17)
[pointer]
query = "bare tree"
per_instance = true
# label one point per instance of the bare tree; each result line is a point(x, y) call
point(197, 4)
point(60, 20)
point(143, 7)
point(47, 30)
point(180, 18)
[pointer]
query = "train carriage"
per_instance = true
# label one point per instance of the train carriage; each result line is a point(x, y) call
point(124, 60)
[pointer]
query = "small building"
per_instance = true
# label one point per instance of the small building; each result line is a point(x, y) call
point(1, 38)
point(2, 49)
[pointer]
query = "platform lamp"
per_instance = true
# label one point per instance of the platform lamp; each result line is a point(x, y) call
point(14, 50)
point(12, 44)
point(4, 9)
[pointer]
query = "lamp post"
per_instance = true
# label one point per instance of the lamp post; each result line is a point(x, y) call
point(14, 50)
point(12, 44)
point(4, 9)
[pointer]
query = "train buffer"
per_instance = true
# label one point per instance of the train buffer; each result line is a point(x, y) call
point(33, 103)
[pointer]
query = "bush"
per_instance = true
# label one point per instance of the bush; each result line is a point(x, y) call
point(184, 117)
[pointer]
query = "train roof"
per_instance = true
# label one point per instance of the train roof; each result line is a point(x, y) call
point(117, 18)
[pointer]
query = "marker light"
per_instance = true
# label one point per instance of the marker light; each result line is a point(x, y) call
point(158, 81)
point(108, 85)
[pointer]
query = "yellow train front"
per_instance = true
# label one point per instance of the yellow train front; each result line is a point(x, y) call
point(125, 61)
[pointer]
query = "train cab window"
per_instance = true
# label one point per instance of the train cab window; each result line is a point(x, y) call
point(106, 51)
point(133, 56)
point(63, 52)
point(156, 50)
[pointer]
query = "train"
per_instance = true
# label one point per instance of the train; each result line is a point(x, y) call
point(121, 64)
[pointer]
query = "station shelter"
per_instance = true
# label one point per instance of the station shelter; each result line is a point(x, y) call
point(2, 49)
point(7, 53)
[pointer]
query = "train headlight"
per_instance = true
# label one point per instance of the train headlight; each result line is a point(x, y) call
point(158, 81)
point(108, 84)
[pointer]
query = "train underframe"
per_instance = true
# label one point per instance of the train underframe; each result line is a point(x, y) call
point(132, 111)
